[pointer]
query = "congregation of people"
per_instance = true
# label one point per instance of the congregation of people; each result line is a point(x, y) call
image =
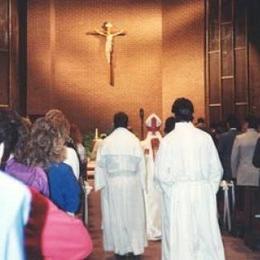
point(180, 187)
point(40, 189)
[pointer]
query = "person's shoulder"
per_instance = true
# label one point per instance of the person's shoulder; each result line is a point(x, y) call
point(12, 185)
point(199, 132)
point(241, 136)
point(70, 152)
point(60, 166)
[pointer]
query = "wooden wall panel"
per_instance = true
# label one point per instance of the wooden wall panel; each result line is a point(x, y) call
point(238, 25)
point(254, 56)
point(4, 53)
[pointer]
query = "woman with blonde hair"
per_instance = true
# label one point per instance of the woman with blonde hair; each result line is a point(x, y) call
point(63, 185)
point(58, 120)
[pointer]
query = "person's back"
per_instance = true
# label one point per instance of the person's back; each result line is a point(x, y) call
point(225, 145)
point(31, 176)
point(119, 175)
point(53, 234)
point(188, 173)
point(242, 156)
point(189, 146)
point(15, 206)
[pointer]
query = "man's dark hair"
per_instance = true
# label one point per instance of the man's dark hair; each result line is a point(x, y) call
point(252, 121)
point(120, 120)
point(169, 124)
point(233, 121)
point(183, 110)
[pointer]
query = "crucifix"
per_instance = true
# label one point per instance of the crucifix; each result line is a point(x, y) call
point(109, 35)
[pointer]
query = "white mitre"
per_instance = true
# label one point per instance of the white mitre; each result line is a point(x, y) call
point(153, 119)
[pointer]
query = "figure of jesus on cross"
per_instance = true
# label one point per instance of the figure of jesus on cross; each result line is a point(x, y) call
point(109, 35)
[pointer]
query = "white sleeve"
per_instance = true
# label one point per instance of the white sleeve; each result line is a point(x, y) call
point(100, 172)
point(72, 160)
point(215, 167)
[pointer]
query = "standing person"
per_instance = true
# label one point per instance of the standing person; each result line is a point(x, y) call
point(243, 169)
point(152, 196)
point(119, 174)
point(61, 123)
point(225, 145)
point(64, 187)
point(169, 125)
point(188, 173)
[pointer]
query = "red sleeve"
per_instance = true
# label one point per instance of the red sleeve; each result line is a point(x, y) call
point(51, 233)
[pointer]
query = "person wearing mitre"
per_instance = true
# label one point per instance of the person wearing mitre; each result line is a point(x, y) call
point(152, 197)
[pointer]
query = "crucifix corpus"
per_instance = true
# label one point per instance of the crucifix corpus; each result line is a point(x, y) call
point(109, 35)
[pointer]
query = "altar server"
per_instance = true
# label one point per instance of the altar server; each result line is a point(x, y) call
point(188, 173)
point(119, 174)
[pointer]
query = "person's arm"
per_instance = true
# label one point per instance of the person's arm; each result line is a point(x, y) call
point(41, 182)
point(100, 172)
point(215, 167)
point(256, 157)
point(71, 191)
point(235, 157)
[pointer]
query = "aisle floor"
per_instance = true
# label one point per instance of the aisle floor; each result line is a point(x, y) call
point(234, 247)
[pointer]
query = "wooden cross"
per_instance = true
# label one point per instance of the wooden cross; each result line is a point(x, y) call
point(109, 35)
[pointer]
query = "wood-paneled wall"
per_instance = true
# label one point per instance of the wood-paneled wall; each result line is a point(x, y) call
point(13, 55)
point(232, 58)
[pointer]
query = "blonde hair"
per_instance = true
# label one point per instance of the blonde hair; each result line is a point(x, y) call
point(59, 121)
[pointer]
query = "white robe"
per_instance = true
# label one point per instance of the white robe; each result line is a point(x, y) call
point(15, 201)
point(188, 172)
point(120, 173)
point(152, 196)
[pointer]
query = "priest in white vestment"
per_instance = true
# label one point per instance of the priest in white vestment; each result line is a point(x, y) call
point(152, 196)
point(119, 174)
point(188, 173)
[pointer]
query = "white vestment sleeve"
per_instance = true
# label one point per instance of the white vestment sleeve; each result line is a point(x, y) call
point(162, 176)
point(100, 171)
point(142, 170)
point(215, 167)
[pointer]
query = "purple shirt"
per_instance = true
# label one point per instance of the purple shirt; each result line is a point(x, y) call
point(34, 177)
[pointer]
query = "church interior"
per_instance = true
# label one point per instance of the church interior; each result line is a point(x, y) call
point(56, 54)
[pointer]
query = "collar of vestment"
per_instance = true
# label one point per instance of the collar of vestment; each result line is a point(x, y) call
point(251, 130)
point(183, 125)
point(121, 129)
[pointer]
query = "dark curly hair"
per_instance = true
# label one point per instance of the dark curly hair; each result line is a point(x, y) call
point(23, 138)
point(10, 123)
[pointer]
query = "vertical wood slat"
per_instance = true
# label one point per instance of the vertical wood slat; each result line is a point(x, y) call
point(4, 53)
point(237, 95)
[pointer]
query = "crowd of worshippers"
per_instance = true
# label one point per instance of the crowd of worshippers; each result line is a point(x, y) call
point(162, 188)
point(40, 188)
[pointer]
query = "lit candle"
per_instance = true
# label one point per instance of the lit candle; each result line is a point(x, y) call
point(96, 133)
